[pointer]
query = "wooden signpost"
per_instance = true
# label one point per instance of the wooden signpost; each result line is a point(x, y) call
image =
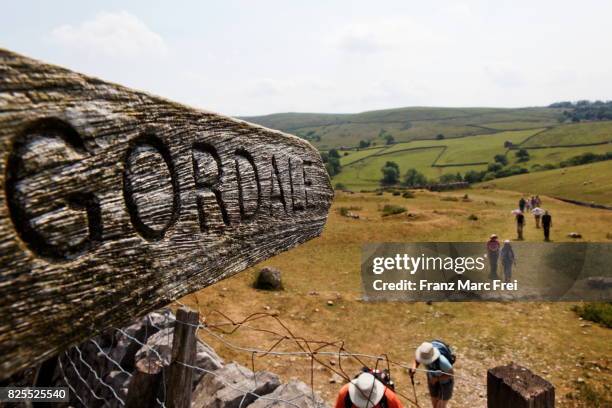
point(115, 202)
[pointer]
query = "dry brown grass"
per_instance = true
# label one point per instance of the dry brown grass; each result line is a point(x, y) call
point(547, 337)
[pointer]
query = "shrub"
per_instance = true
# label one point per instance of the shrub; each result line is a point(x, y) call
point(396, 193)
point(585, 159)
point(340, 186)
point(390, 209)
point(488, 176)
point(408, 194)
point(472, 217)
point(596, 312)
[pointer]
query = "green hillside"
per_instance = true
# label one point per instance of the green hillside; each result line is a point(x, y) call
point(589, 183)
point(335, 130)
point(572, 134)
point(439, 141)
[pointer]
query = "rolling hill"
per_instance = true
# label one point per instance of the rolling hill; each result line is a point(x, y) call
point(588, 183)
point(405, 124)
point(439, 141)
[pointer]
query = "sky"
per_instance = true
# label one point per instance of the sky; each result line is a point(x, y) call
point(262, 56)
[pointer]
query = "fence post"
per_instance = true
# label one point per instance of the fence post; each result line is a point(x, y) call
point(44, 378)
point(513, 386)
point(180, 379)
point(144, 385)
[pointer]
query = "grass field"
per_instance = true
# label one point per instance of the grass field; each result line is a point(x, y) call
point(589, 183)
point(547, 337)
point(575, 133)
point(366, 174)
point(555, 155)
point(361, 169)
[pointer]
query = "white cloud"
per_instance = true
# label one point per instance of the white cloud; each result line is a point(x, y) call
point(386, 34)
point(116, 35)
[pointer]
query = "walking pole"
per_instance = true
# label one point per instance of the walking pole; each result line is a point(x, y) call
point(416, 400)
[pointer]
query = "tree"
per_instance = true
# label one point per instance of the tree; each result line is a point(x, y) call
point(332, 162)
point(389, 139)
point(333, 166)
point(501, 159)
point(450, 178)
point(413, 178)
point(522, 155)
point(334, 153)
point(390, 173)
point(494, 167)
point(439, 136)
point(473, 176)
point(488, 176)
point(364, 143)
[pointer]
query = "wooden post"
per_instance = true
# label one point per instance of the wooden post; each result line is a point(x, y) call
point(44, 378)
point(513, 386)
point(144, 387)
point(180, 381)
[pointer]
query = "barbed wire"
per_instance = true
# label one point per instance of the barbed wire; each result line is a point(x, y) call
point(306, 350)
point(281, 337)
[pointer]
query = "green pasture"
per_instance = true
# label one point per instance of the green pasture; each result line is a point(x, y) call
point(589, 183)
point(572, 134)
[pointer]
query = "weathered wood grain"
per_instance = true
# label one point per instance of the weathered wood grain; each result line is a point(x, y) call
point(180, 372)
point(513, 386)
point(115, 202)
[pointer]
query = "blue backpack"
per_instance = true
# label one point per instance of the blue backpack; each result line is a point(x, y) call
point(445, 350)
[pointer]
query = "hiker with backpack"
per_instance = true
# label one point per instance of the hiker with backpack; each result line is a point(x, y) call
point(369, 389)
point(493, 255)
point(438, 359)
point(522, 203)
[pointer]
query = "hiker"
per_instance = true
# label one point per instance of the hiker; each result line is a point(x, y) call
point(493, 255)
point(537, 215)
point(508, 260)
point(438, 359)
point(367, 391)
point(538, 201)
point(528, 204)
point(522, 204)
point(520, 224)
point(546, 225)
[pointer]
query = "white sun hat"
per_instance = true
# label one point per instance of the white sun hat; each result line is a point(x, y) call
point(426, 353)
point(366, 391)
